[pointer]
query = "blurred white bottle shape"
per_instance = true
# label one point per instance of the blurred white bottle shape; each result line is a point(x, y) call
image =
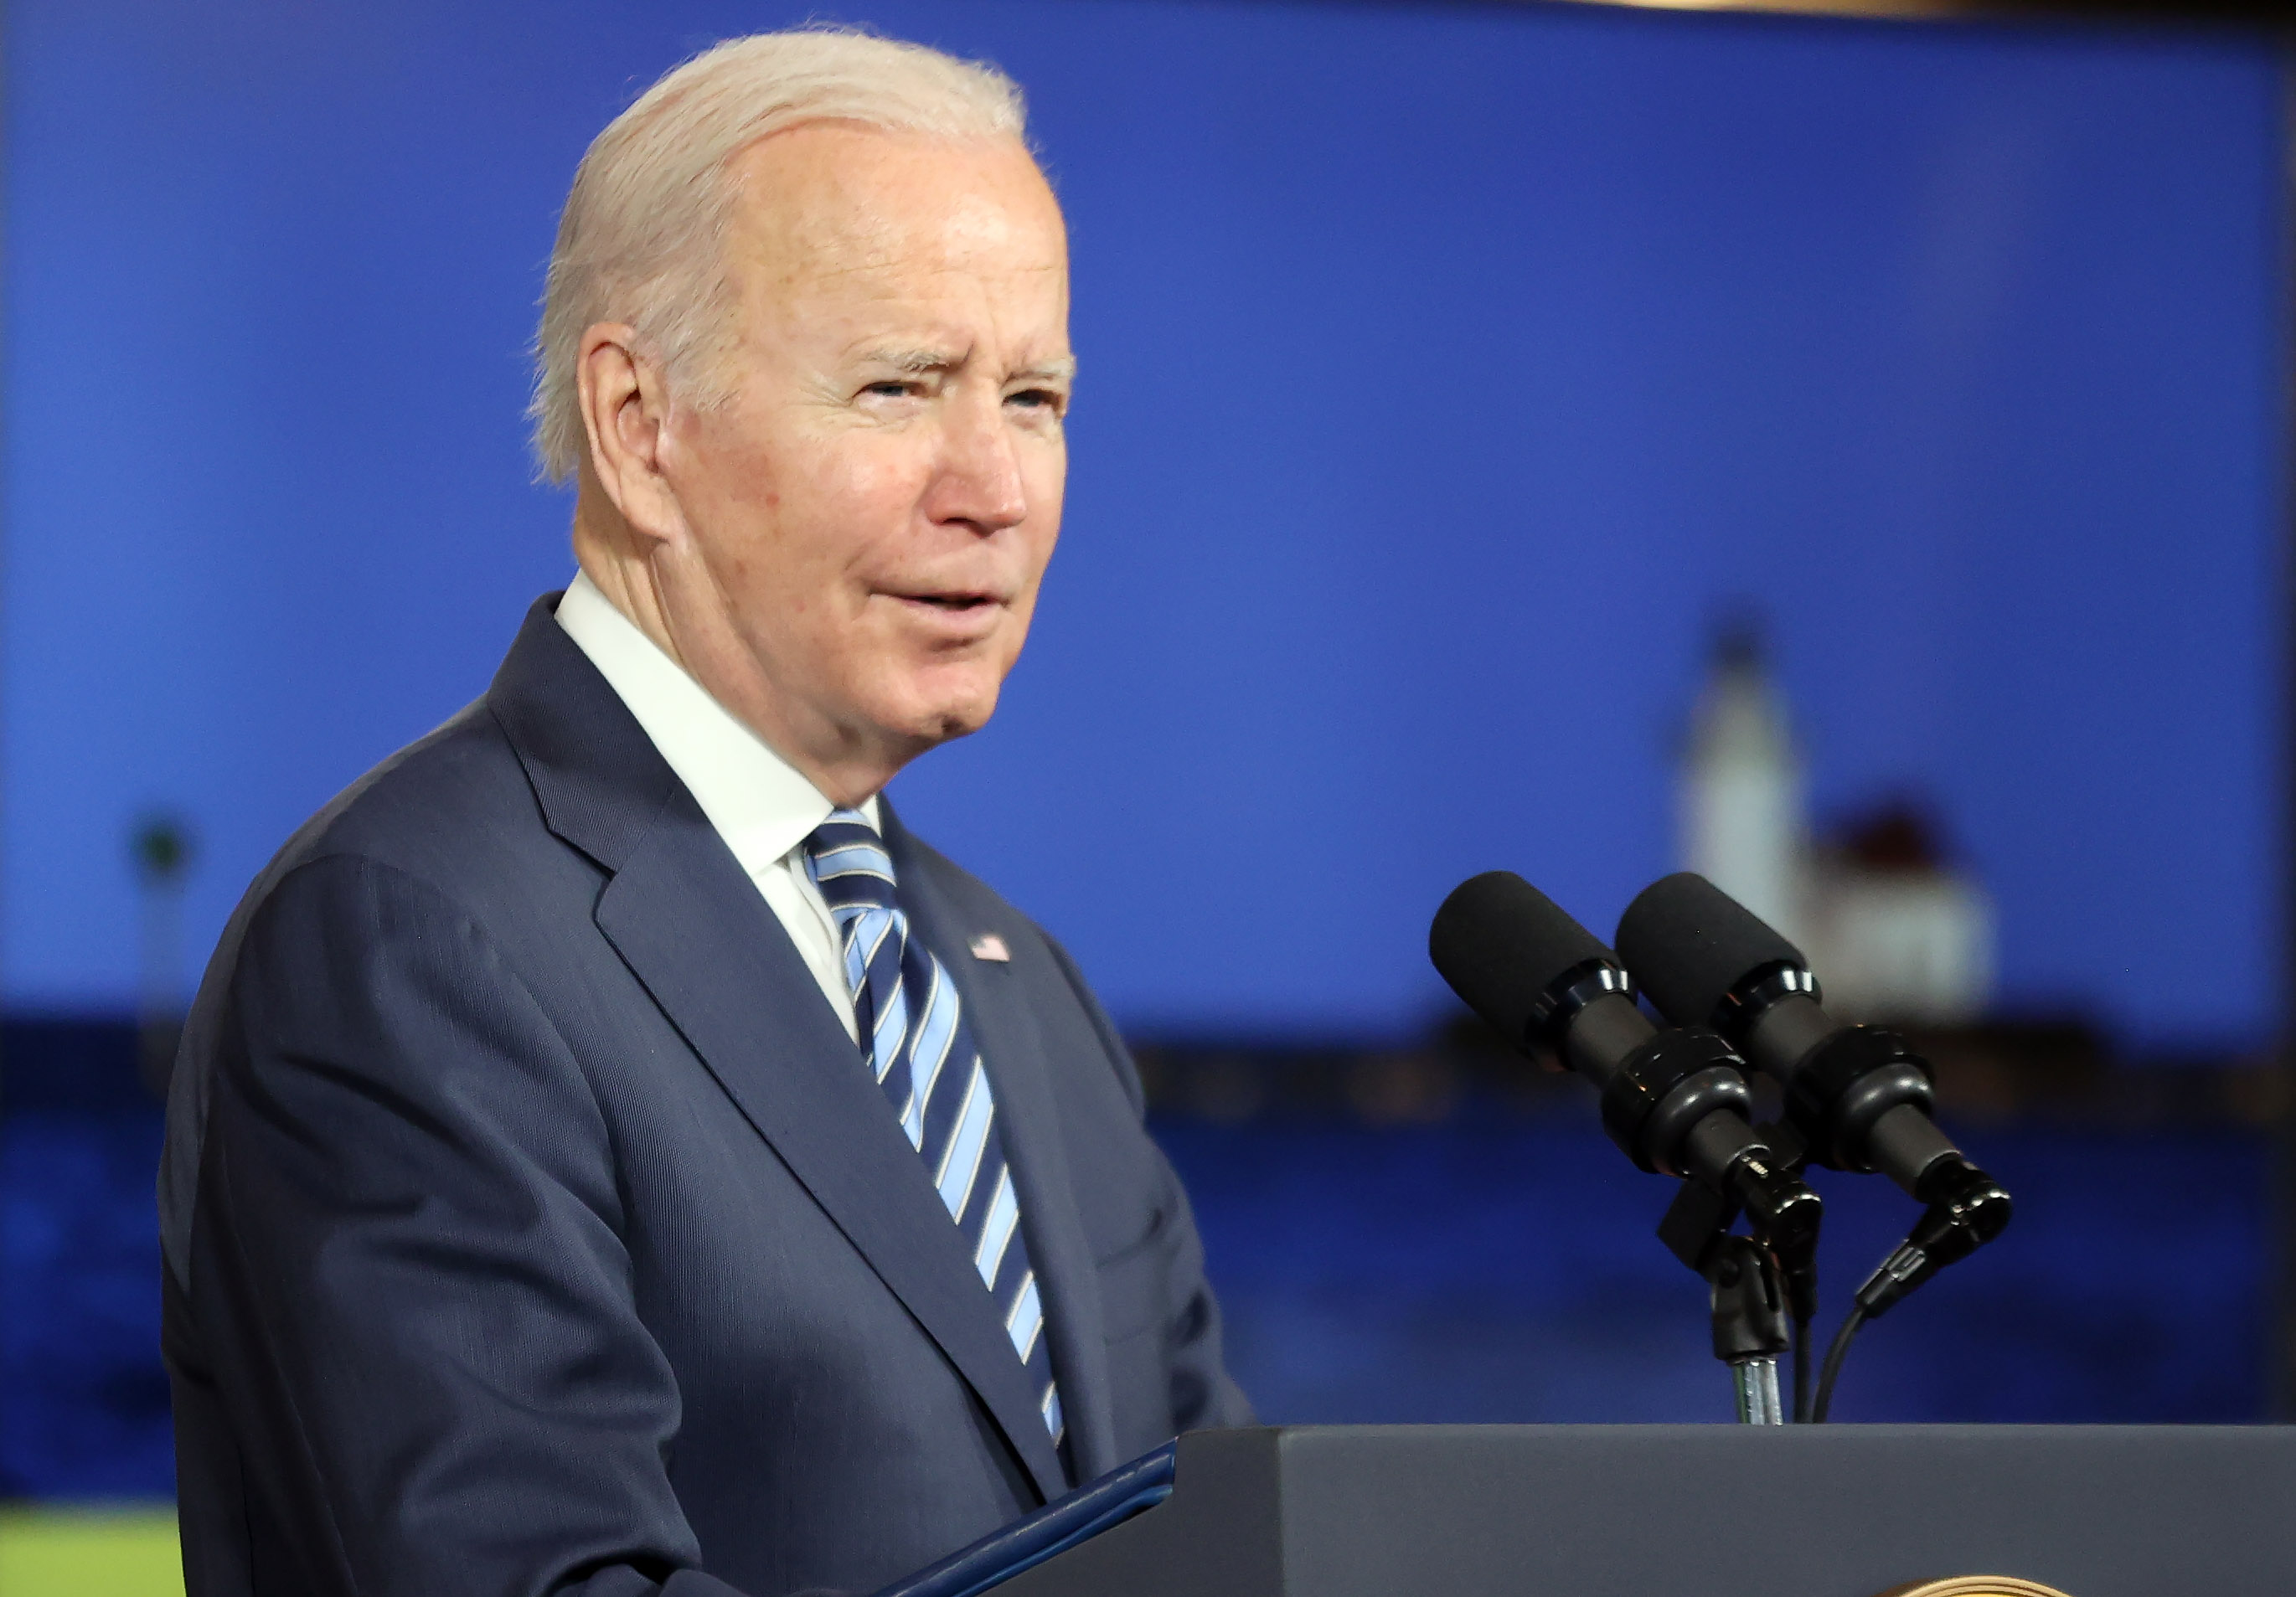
point(1743, 828)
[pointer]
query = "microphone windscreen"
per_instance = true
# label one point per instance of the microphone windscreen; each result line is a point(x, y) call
point(1499, 942)
point(1687, 943)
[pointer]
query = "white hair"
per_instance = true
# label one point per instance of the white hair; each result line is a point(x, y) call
point(641, 239)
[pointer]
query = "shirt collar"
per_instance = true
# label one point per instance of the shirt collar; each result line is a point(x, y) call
point(762, 805)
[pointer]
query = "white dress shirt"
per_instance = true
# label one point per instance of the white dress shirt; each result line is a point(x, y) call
point(760, 804)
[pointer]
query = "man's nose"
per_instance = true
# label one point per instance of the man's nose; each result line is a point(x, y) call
point(979, 479)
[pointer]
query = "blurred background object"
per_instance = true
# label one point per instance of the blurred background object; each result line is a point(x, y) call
point(104, 1552)
point(1899, 935)
point(1744, 828)
point(1448, 370)
point(161, 847)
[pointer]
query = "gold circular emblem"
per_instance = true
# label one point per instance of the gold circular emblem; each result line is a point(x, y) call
point(1974, 1586)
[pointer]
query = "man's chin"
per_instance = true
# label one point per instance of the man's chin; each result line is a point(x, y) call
point(960, 721)
point(924, 703)
point(941, 717)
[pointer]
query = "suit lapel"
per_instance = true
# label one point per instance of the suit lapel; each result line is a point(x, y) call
point(692, 927)
point(1013, 1048)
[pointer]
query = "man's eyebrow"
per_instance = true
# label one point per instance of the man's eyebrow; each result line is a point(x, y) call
point(922, 361)
point(918, 360)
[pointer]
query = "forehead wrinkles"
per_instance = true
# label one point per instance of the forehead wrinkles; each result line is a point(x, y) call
point(829, 202)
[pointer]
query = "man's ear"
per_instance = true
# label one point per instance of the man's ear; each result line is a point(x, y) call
point(626, 414)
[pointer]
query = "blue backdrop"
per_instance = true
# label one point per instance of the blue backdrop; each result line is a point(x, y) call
point(1443, 369)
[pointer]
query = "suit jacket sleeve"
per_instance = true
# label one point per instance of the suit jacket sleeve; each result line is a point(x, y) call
point(409, 1256)
point(1202, 1395)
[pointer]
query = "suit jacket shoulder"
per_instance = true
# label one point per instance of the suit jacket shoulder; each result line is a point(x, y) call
point(450, 809)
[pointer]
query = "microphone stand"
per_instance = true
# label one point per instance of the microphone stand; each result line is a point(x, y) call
point(1749, 1325)
point(1753, 1292)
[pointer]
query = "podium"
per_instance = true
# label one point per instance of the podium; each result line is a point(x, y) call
point(1746, 1510)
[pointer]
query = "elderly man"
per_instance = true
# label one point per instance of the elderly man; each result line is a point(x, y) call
point(609, 1154)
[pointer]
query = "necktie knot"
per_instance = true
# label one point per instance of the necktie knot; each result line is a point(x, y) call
point(848, 862)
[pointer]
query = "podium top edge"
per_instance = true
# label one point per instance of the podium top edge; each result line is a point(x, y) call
point(2262, 1430)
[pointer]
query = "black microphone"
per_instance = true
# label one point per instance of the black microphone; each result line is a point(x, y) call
point(1675, 1101)
point(1859, 1095)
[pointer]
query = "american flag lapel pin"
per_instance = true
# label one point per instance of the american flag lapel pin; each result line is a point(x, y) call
point(988, 945)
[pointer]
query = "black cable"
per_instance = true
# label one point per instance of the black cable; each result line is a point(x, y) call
point(1834, 1355)
point(1801, 1372)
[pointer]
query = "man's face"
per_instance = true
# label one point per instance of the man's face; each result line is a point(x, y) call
point(873, 508)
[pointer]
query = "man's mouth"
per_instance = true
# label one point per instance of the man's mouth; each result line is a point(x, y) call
point(953, 604)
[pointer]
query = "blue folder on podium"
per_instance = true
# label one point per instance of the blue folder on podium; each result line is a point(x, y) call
point(1054, 1529)
point(1640, 1510)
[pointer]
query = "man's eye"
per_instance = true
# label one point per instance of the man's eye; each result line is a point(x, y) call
point(1036, 399)
point(889, 389)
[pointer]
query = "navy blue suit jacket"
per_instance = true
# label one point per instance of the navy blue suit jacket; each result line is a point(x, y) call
point(531, 1226)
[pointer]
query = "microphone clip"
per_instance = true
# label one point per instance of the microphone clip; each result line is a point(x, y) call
point(1783, 1214)
point(1746, 1292)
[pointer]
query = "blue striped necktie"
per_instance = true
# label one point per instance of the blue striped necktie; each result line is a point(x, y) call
point(915, 1038)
